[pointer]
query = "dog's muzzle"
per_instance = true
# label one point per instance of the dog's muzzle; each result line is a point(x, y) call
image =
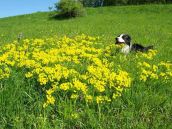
point(117, 42)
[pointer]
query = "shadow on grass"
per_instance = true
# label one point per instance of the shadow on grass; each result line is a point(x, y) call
point(60, 17)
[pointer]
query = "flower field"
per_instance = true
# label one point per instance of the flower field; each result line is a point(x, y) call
point(69, 74)
point(78, 68)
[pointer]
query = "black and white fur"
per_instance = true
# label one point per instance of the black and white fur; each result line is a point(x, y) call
point(128, 46)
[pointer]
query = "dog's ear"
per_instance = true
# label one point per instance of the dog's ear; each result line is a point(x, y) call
point(127, 39)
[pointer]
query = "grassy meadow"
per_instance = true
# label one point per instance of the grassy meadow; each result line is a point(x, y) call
point(67, 73)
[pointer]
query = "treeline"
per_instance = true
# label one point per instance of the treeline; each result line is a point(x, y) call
point(95, 3)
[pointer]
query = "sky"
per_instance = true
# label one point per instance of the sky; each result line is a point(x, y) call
point(18, 7)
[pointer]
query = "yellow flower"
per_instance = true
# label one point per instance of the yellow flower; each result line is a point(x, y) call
point(99, 85)
point(99, 99)
point(169, 73)
point(89, 98)
point(50, 99)
point(146, 64)
point(79, 86)
point(28, 75)
point(74, 115)
point(154, 76)
point(115, 95)
point(42, 78)
point(102, 99)
point(50, 91)
point(143, 78)
point(65, 86)
point(74, 96)
point(155, 68)
point(162, 74)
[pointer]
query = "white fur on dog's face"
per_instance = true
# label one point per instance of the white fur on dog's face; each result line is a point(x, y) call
point(120, 39)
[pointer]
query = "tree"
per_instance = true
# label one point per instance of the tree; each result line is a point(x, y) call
point(70, 8)
point(92, 3)
point(95, 3)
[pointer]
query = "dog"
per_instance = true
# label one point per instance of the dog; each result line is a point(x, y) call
point(128, 46)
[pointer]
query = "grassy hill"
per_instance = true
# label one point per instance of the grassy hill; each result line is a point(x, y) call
point(143, 105)
point(146, 24)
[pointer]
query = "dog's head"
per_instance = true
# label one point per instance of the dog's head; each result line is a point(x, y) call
point(123, 39)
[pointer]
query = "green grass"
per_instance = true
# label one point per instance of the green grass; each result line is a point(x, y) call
point(146, 24)
point(142, 106)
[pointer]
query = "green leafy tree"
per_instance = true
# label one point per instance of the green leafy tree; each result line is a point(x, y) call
point(70, 8)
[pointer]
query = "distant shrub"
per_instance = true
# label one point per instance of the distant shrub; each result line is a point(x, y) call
point(70, 8)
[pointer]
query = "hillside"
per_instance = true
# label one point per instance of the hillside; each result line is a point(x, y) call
point(68, 73)
point(146, 24)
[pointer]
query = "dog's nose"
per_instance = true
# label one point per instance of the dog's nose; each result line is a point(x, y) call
point(116, 40)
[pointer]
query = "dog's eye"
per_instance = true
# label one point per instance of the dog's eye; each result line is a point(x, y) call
point(124, 36)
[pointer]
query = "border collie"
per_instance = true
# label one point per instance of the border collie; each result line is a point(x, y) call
point(128, 46)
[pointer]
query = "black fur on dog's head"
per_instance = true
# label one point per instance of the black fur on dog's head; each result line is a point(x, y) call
point(123, 39)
